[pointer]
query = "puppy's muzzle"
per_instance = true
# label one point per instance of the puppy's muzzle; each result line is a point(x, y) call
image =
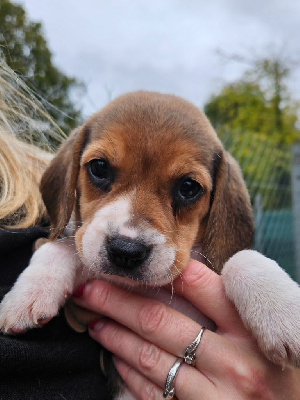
point(126, 253)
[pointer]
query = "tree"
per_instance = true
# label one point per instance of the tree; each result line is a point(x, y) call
point(256, 119)
point(25, 50)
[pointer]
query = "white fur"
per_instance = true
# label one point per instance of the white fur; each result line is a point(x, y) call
point(55, 269)
point(268, 301)
point(106, 221)
point(114, 219)
point(41, 289)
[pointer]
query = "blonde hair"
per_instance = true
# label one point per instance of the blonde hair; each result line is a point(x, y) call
point(25, 151)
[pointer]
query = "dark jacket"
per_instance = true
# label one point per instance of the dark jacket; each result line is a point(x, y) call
point(50, 363)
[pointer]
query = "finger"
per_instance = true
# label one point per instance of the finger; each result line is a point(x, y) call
point(204, 289)
point(165, 327)
point(137, 384)
point(150, 361)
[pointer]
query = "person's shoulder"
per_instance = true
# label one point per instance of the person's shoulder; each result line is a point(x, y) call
point(12, 238)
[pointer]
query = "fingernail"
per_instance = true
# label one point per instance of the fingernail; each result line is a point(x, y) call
point(96, 325)
point(79, 290)
point(82, 290)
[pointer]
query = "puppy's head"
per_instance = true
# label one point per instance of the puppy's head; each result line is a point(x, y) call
point(148, 180)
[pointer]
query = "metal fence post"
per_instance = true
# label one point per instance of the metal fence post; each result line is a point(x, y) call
point(258, 213)
point(296, 203)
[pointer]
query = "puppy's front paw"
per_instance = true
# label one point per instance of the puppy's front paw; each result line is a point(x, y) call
point(41, 289)
point(268, 301)
point(31, 303)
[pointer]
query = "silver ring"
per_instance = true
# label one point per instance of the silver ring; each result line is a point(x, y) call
point(170, 381)
point(190, 351)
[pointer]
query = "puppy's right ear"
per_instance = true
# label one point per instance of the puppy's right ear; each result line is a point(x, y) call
point(58, 184)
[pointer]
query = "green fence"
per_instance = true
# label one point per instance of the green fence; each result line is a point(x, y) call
point(274, 237)
point(267, 169)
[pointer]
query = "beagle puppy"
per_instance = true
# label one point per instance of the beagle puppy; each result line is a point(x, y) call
point(132, 194)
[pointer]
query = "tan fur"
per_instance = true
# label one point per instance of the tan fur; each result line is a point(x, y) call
point(152, 139)
point(151, 142)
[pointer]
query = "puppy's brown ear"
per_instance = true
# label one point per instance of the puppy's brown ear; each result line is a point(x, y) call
point(58, 183)
point(230, 225)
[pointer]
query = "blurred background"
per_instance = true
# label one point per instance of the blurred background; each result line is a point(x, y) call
point(239, 61)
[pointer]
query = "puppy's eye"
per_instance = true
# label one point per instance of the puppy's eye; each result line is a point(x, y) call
point(186, 191)
point(189, 189)
point(100, 173)
point(99, 168)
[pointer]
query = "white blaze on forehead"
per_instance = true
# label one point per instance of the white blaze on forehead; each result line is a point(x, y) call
point(128, 232)
point(111, 218)
point(117, 213)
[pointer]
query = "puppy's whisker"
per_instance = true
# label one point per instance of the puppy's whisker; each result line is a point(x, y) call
point(205, 257)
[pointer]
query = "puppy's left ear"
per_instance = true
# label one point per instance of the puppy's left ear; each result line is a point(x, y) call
point(58, 184)
point(230, 226)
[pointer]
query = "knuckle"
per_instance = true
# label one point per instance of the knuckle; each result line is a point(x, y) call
point(203, 278)
point(150, 392)
point(152, 318)
point(112, 338)
point(251, 381)
point(149, 356)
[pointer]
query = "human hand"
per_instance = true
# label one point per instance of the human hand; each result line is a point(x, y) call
point(147, 337)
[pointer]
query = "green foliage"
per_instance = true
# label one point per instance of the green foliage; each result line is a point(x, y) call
point(26, 52)
point(257, 122)
point(243, 107)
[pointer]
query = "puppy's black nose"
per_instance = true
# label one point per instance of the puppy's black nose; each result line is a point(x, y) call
point(126, 253)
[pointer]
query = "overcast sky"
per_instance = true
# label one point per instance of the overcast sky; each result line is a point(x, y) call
point(115, 46)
